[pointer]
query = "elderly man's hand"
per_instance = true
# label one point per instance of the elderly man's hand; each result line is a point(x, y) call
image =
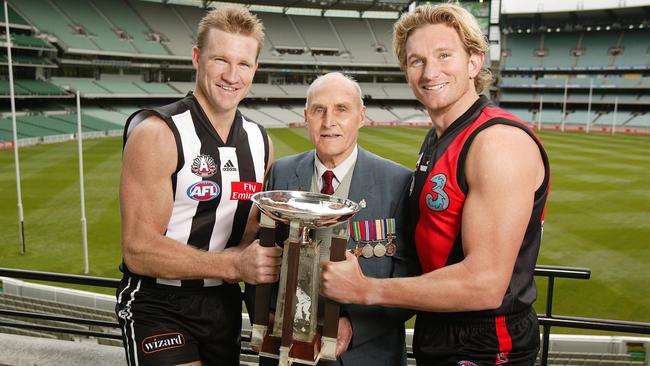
point(343, 281)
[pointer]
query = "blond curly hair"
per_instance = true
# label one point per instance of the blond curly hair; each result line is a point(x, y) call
point(453, 16)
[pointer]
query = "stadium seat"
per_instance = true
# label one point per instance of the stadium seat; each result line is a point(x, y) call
point(28, 42)
point(521, 50)
point(508, 81)
point(164, 20)
point(40, 87)
point(382, 30)
point(358, 40)
point(101, 32)
point(84, 86)
point(596, 47)
point(525, 115)
point(635, 49)
point(50, 20)
point(126, 20)
point(14, 18)
point(558, 48)
point(18, 90)
point(516, 96)
point(157, 88)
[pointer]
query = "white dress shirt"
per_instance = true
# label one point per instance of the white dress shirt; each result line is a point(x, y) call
point(339, 171)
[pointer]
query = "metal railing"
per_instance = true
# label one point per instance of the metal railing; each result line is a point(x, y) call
point(547, 321)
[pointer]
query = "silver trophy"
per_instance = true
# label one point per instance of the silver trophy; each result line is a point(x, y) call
point(305, 326)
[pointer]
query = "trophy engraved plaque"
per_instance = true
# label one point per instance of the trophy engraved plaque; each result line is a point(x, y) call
point(305, 326)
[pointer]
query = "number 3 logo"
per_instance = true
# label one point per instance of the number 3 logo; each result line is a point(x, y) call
point(441, 202)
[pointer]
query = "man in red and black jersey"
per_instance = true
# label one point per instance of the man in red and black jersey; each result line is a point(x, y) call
point(477, 201)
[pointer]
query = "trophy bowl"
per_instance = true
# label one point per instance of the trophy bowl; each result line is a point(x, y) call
point(310, 209)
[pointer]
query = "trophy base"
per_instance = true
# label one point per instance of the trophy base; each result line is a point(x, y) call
point(307, 353)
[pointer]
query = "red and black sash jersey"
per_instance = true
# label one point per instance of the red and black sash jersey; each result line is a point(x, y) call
point(439, 192)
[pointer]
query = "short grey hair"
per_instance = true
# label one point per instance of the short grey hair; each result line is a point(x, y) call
point(330, 75)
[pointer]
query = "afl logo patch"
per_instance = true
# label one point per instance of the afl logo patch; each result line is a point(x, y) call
point(204, 190)
point(204, 166)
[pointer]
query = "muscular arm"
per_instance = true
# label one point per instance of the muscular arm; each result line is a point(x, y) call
point(146, 205)
point(503, 170)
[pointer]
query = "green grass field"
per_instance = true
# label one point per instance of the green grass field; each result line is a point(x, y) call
point(598, 214)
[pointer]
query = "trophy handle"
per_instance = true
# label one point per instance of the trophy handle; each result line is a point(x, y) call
point(332, 308)
point(263, 291)
point(296, 235)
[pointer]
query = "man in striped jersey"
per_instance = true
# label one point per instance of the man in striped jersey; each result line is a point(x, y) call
point(189, 170)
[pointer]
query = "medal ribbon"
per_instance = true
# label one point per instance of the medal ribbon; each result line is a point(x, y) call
point(355, 230)
point(365, 234)
point(390, 223)
point(372, 230)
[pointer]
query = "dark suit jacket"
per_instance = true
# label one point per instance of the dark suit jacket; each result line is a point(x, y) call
point(378, 332)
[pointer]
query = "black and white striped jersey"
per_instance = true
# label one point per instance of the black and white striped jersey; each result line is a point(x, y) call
point(213, 181)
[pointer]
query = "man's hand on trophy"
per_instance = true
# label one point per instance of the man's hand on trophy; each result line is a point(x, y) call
point(256, 264)
point(343, 281)
point(344, 335)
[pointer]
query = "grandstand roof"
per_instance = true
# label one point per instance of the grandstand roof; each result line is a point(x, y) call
point(578, 20)
point(358, 5)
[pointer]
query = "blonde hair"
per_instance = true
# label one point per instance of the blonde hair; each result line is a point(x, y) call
point(453, 16)
point(234, 19)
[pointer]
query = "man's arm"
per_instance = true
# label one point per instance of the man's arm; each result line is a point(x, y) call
point(503, 169)
point(149, 160)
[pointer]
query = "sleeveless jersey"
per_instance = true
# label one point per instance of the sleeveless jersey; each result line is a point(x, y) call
point(438, 195)
point(213, 181)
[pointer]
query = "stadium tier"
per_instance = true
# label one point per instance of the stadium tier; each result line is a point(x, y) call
point(27, 61)
point(577, 50)
point(15, 20)
point(635, 49)
point(150, 29)
point(629, 92)
point(52, 21)
point(58, 124)
point(123, 49)
point(25, 41)
point(519, 51)
point(557, 49)
point(117, 88)
point(167, 25)
point(37, 88)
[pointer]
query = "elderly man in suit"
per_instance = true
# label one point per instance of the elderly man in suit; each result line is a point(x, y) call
point(334, 113)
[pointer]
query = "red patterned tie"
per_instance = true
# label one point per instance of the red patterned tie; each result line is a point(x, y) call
point(328, 188)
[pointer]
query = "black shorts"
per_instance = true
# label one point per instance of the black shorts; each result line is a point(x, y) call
point(496, 340)
point(162, 325)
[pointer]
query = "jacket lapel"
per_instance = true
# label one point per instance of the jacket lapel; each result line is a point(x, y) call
point(359, 187)
point(303, 173)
